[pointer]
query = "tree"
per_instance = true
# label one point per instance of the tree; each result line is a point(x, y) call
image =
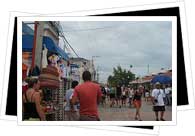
point(120, 77)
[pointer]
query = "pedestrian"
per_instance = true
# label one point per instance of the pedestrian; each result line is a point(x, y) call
point(118, 95)
point(112, 96)
point(71, 111)
point(168, 95)
point(137, 102)
point(124, 96)
point(89, 96)
point(130, 96)
point(158, 102)
point(107, 92)
point(103, 101)
point(147, 95)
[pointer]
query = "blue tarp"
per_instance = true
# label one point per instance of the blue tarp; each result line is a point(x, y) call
point(27, 45)
point(163, 79)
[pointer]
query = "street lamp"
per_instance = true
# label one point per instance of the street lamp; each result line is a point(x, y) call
point(130, 67)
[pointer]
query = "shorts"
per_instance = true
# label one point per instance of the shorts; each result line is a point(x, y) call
point(71, 116)
point(88, 118)
point(103, 97)
point(112, 96)
point(118, 96)
point(158, 108)
point(124, 97)
point(137, 103)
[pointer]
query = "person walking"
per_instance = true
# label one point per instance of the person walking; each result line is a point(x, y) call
point(168, 95)
point(137, 102)
point(103, 101)
point(158, 102)
point(124, 96)
point(130, 96)
point(112, 96)
point(118, 95)
point(147, 95)
point(89, 96)
point(71, 111)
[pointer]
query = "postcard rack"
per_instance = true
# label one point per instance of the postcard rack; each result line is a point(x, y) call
point(55, 101)
point(58, 97)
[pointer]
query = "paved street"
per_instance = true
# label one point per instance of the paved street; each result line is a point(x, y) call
point(128, 114)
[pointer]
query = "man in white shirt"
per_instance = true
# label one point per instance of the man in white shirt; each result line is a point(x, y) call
point(158, 96)
point(71, 111)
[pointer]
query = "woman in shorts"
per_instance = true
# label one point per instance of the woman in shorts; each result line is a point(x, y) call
point(112, 96)
point(147, 95)
point(124, 96)
point(137, 102)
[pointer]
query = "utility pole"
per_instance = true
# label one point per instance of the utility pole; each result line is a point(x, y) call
point(97, 74)
point(148, 69)
point(37, 44)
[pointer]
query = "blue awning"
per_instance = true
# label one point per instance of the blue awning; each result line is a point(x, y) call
point(27, 45)
point(26, 29)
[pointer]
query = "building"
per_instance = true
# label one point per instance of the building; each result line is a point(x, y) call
point(82, 65)
point(146, 80)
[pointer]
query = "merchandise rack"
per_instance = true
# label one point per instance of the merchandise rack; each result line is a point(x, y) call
point(56, 97)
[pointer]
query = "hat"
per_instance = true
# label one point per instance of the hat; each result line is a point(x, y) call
point(157, 83)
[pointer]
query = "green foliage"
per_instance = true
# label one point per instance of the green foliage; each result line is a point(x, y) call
point(120, 77)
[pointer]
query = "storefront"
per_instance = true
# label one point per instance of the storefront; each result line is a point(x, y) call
point(54, 74)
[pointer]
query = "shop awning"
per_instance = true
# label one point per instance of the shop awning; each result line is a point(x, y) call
point(27, 45)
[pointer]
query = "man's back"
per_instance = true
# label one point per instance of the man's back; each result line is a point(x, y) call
point(88, 94)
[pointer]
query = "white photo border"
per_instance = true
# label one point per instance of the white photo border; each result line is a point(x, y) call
point(14, 14)
point(96, 123)
point(8, 63)
point(133, 8)
point(154, 131)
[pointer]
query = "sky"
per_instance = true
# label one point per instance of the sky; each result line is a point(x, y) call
point(122, 43)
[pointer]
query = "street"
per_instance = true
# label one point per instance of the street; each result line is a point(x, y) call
point(128, 114)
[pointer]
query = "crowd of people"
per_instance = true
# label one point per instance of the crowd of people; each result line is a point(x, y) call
point(89, 94)
point(82, 100)
point(159, 95)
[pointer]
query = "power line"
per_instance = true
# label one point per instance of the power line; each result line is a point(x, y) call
point(66, 41)
point(90, 29)
point(70, 46)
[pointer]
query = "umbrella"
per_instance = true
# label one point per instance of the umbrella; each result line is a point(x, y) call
point(163, 79)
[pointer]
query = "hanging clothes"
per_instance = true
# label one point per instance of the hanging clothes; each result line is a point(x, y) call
point(44, 58)
point(34, 72)
point(24, 71)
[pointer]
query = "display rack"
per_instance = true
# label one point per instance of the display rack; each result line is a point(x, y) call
point(55, 101)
